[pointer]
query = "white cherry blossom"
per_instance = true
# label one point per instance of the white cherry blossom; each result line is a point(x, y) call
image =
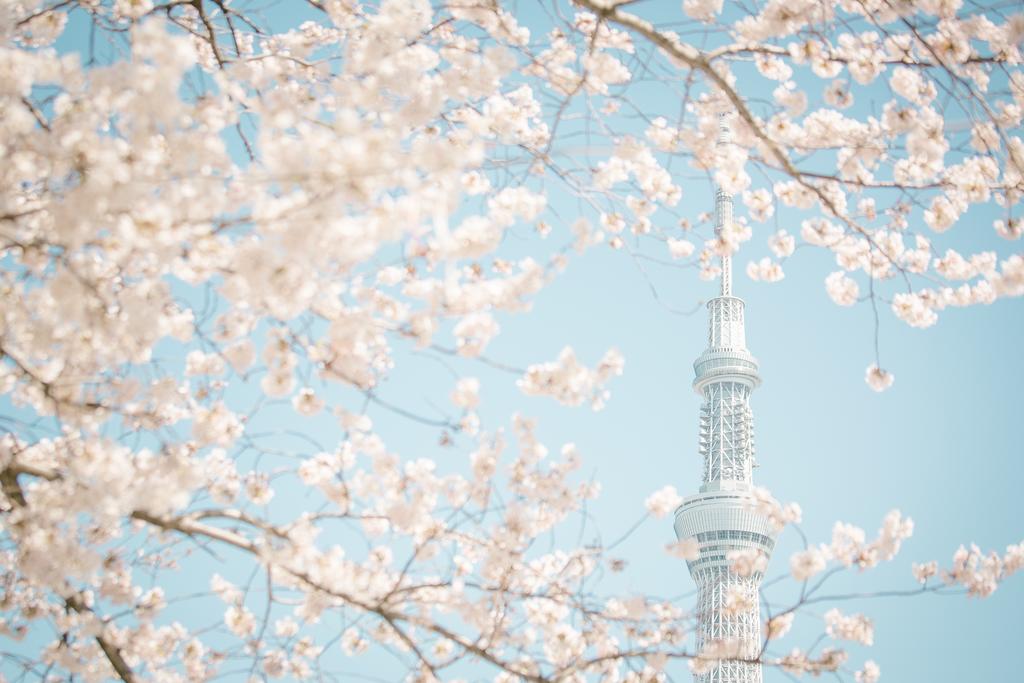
point(663, 501)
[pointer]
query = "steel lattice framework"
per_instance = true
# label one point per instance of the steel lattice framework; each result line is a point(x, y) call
point(721, 517)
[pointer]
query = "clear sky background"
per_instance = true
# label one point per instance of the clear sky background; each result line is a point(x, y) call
point(942, 444)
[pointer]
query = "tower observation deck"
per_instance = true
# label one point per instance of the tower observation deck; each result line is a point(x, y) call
point(721, 516)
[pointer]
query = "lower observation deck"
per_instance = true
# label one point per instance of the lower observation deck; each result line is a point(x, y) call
point(721, 521)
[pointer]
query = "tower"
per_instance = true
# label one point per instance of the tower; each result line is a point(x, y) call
point(721, 517)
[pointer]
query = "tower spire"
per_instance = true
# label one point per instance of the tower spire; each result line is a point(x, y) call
point(722, 516)
point(723, 205)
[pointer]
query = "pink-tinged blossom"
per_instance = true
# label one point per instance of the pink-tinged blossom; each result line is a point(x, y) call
point(869, 673)
point(795, 101)
point(913, 310)
point(275, 663)
point(763, 503)
point(240, 621)
point(984, 137)
point(307, 403)
point(838, 94)
point(765, 270)
point(842, 289)
point(894, 530)
point(759, 204)
point(612, 223)
point(922, 572)
point(686, 549)
point(222, 478)
point(277, 384)
point(1010, 279)
point(847, 543)
point(663, 501)
point(467, 393)
point(42, 28)
point(728, 239)
point(680, 249)
point(602, 70)
point(747, 561)
point(704, 10)
point(779, 626)
point(633, 158)
point(1013, 561)
point(240, 355)
point(911, 85)
point(664, 137)
point(257, 488)
point(199, 363)
point(570, 382)
point(855, 627)
point(772, 67)
point(133, 9)
point(715, 651)
point(798, 662)
point(979, 573)
point(807, 563)
point(877, 378)
point(1010, 229)
point(216, 425)
point(586, 236)
point(782, 244)
point(150, 604)
point(474, 332)
point(353, 643)
point(739, 599)
point(821, 232)
point(730, 171)
point(953, 266)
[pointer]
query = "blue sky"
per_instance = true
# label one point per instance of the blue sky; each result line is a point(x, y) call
point(942, 444)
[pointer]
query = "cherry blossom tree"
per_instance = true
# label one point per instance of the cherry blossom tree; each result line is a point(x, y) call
point(214, 222)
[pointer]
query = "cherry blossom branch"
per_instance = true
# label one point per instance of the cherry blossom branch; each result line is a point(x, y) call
point(698, 61)
point(12, 491)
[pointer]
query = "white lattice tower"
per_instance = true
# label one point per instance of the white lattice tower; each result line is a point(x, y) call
point(722, 517)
